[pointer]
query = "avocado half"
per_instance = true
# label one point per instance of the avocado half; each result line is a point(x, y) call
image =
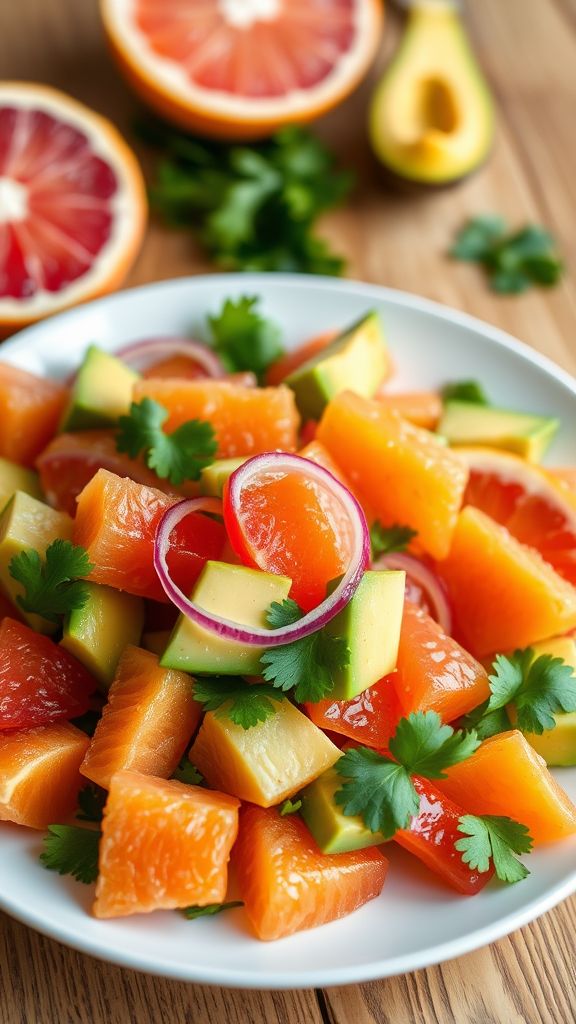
point(432, 116)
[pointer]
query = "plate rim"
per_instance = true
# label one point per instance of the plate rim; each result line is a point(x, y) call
point(229, 977)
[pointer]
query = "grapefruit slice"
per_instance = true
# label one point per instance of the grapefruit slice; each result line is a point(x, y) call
point(242, 68)
point(536, 506)
point(72, 204)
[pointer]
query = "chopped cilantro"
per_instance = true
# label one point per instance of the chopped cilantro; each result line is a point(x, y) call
point(386, 539)
point(306, 666)
point(231, 697)
point(513, 261)
point(178, 456)
point(71, 850)
point(188, 772)
point(465, 391)
point(52, 587)
point(290, 807)
point(539, 688)
point(191, 913)
point(495, 839)
point(243, 338)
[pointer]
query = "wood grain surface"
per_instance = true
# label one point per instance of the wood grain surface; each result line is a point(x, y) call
point(528, 48)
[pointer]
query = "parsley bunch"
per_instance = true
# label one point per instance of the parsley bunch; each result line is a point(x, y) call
point(513, 261)
point(179, 456)
point(53, 586)
point(254, 207)
point(305, 667)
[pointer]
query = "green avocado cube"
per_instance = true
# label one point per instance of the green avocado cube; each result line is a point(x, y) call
point(98, 632)
point(334, 831)
point(213, 477)
point(233, 592)
point(101, 392)
point(28, 523)
point(370, 623)
point(17, 478)
point(357, 360)
point(466, 423)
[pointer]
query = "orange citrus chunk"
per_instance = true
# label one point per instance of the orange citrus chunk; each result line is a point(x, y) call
point(567, 474)
point(164, 845)
point(537, 508)
point(40, 774)
point(30, 409)
point(147, 723)
point(72, 204)
point(406, 475)
point(504, 594)
point(422, 408)
point(507, 777)
point(246, 421)
point(434, 673)
point(288, 885)
point(242, 68)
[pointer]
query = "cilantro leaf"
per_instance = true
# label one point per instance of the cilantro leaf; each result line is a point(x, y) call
point(386, 539)
point(513, 262)
point(71, 850)
point(254, 207)
point(465, 391)
point(486, 723)
point(52, 587)
point(539, 688)
point(91, 801)
point(494, 838)
point(290, 807)
point(378, 789)
point(188, 772)
point(427, 747)
point(178, 456)
point(243, 338)
point(231, 697)
point(191, 913)
point(306, 666)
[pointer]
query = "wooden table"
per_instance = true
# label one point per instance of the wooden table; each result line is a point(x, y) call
point(528, 48)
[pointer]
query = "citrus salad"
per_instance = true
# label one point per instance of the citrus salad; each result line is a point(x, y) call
point(261, 616)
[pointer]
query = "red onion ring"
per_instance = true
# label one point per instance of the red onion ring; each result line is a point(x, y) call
point(142, 353)
point(313, 620)
point(424, 578)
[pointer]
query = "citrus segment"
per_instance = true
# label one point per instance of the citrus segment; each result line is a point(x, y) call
point(39, 774)
point(403, 472)
point(241, 68)
point(30, 409)
point(72, 204)
point(504, 594)
point(507, 777)
point(288, 885)
point(370, 718)
point(246, 421)
point(164, 845)
point(422, 408)
point(146, 724)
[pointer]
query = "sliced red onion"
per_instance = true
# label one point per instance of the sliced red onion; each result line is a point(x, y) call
point(424, 578)
point(277, 462)
point(141, 354)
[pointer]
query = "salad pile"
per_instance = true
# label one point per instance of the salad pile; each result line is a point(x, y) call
point(260, 609)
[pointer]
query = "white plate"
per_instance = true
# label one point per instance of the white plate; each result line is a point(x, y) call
point(416, 921)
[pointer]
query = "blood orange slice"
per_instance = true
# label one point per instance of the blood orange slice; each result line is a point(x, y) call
point(242, 68)
point(72, 204)
point(536, 506)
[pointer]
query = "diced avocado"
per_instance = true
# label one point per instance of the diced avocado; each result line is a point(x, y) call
point(213, 477)
point(357, 360)
point(432, 117)
point(558, 745)
point(334, 831)
point(267, 763)
point(98, 632)
point(17, 478)
point(101, 393)
point(156, 641)
point(232, 592)
point(28, 523)
point(370, 623)
point(466, 423)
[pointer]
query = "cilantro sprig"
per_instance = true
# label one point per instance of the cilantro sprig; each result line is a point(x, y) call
point(243, 338)
point(53, 586)
point(465, 391)
point(386, 539)
point(537, 687)
point(305, 667)
point(231, 697)
point(192, 913)
point(513, 261)
point(179, 456)
point(497, 839)
point(254, 207)
point(380, 788)
point(188, 772)
point(71, 850)
point(289, 807)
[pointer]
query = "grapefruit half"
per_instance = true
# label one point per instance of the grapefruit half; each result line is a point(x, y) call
point(72, 204)
point(242, 68)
